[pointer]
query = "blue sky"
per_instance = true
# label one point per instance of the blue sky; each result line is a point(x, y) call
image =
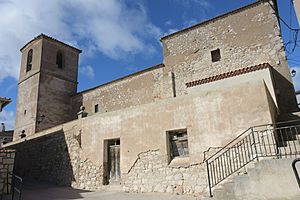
point(117, 37)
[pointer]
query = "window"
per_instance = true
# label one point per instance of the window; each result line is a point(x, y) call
point(25, 112)
point(29, 60)
point(96, 108)
point(59, 59)
point(178, 143)
point(216, 55)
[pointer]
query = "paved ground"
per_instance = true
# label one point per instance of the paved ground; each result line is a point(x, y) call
point(46, 192)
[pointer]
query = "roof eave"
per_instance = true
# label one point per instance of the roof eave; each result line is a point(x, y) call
point(41, 36)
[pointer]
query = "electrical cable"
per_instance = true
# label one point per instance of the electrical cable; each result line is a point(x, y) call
point(294, 32)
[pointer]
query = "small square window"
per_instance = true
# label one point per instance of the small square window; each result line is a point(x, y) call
point(216, 55)
point(178, 143)
point(96, 108)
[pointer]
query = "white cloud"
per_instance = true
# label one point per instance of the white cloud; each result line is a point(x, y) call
point(170, 31)
point(87, 71)
point(8, 118)
point(190, 22)
point(201, 3)
point(112, 27)
point(168, 23)
point(200, 7)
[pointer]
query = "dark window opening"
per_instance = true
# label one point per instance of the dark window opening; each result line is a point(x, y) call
point(216, 55)
point(59, 59)
point(29, 60)
point(178, 142)
point(96, 108)
point(25, 112)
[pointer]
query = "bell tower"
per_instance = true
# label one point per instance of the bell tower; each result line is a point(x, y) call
point(48, 79)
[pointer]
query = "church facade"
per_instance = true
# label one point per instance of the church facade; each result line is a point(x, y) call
point(150, 131)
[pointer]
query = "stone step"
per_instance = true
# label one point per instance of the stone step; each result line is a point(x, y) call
point(113, 188)
point(224, 194)
point(229, 187)
point(219, 193)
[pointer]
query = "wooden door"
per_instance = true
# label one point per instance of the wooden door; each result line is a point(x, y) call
point(114, 163)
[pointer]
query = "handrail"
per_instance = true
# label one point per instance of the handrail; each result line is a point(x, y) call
point(253, 127)
point(228, 144)
point(295, 170)
point(271, 141)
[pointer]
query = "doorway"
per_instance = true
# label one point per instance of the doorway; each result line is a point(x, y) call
point(112, 172)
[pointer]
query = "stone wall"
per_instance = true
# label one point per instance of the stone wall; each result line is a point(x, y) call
point(153, 173)
point(140, 88)
point(7, 158)
point(57, 159)
point(26, 106)
point(73, 153)
point(57, 85)
point(245, 37)
point(45, 90)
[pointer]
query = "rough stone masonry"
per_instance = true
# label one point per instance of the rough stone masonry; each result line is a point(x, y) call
point(148, 131)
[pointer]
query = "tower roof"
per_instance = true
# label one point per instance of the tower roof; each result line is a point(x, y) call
point(43, 36)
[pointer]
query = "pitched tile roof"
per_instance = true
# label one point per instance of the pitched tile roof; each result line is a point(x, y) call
point(42, 35)
point(228, 74)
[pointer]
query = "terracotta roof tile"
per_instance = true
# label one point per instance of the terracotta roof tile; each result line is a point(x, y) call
point(228, 74)
point(42, 35)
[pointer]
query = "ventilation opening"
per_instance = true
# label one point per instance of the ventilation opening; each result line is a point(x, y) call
point(216, 55)
point(29, 60)
point(59, 59)
point(96, 108)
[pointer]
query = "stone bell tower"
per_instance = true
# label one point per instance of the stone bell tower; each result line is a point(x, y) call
point(48, 78)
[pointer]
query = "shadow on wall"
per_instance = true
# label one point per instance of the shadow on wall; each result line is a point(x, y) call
point(286, 93)
point(45, 159)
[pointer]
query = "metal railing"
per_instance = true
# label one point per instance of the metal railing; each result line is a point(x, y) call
point(297, 93)
point(282, 140)
point(11, 185)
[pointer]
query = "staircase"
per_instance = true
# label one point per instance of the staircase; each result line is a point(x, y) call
point(277, 141)
point(267, 179)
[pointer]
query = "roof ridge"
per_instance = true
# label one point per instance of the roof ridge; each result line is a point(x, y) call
point(42, 35)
